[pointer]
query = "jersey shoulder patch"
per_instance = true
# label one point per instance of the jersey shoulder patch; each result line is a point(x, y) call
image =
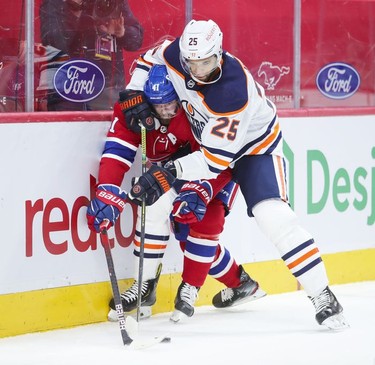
point(229, 95)
point(172, 56)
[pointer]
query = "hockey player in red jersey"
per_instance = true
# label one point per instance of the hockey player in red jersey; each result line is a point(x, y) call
point(237, 127)
point(169, 137)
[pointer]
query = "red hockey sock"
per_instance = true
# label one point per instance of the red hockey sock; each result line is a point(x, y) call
point(195, 272)
point(231, 278)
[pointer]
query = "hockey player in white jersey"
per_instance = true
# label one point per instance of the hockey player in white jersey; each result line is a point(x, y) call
point(199, 238)
point(237, 127)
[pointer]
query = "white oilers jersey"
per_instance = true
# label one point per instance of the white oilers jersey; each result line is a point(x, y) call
point(229, 118)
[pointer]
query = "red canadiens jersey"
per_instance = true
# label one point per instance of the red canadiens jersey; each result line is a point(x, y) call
point(122, 144)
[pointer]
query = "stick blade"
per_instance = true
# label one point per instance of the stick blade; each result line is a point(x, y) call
point(140, 344)
point(131, 326)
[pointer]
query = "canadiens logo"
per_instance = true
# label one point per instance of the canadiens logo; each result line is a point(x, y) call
point(272, 74)
point(149, 121)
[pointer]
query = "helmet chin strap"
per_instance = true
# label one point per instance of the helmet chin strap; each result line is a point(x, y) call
point(214, 76)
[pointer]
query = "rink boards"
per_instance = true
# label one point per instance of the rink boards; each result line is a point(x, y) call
point(53, 270)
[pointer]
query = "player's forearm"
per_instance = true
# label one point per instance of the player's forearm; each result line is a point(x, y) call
point(193, 167)
point(111, 171)
point(138, 79)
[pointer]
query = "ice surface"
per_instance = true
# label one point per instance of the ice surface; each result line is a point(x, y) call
point(277, 329)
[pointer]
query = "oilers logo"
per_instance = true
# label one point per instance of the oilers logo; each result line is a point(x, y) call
point(196, 119)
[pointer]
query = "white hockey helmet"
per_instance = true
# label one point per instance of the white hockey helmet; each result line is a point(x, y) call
point(201, 39)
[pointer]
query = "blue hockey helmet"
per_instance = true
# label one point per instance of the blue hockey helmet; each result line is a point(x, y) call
point(158, 88)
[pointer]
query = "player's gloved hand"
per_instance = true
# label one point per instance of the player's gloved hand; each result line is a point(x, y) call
point(153, 184)
point(136, 110)
point(191, 204)
point(180, 230)
point(108, 204)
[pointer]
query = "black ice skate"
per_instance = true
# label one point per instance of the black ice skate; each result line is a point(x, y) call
point(184, 302)
point(329, 310)
point(248, 290)
point(130, 296)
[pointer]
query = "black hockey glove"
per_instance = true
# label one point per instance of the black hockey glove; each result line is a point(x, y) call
point(153, 184)
point(136, 110)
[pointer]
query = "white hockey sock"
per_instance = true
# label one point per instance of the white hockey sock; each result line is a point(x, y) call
point(295, 245)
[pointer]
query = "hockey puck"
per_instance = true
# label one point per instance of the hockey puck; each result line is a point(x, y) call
point(166, 340)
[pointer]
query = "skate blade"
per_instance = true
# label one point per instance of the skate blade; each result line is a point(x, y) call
point(144, 313)
point(257, 295)
point(336, 322)
point(178, 316)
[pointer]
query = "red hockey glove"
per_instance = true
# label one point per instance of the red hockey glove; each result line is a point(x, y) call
point(107, 205)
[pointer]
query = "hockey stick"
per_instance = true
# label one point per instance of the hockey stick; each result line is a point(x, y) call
point(143, 224)
point(126, 339)
point(126, 324)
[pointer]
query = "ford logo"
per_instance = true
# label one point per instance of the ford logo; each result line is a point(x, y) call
point(79, 81)
point(338, 80)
